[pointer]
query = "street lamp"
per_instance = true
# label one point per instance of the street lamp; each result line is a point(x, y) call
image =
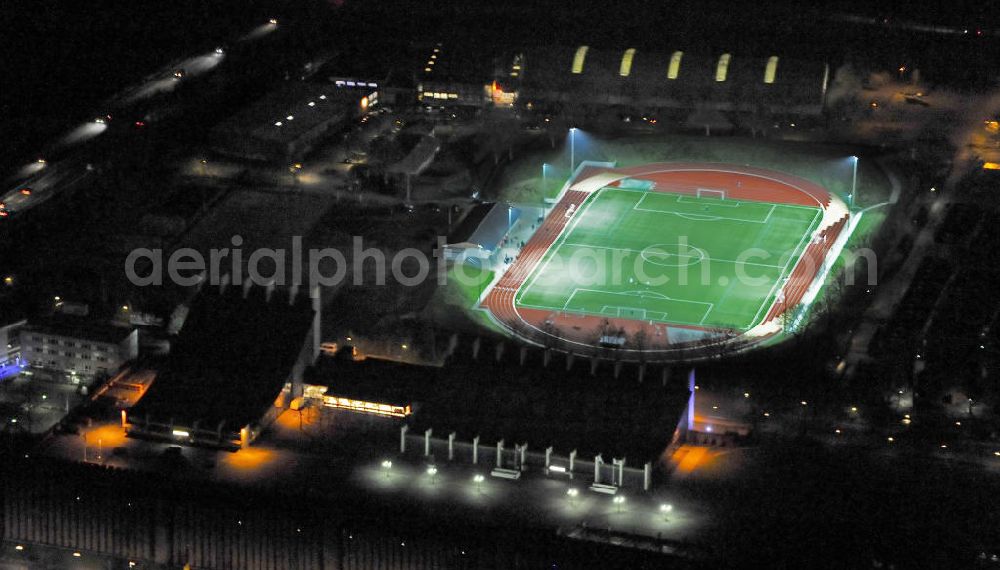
point(619, 501)
point(572, 494)
point(387, 467)
point(545, 180)
point(432, 471)
point(666, 509)
point(478, 479)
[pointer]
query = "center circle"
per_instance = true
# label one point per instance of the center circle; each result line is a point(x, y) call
point(672, 254)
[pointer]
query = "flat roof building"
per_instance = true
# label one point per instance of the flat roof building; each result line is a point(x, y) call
point(284, 125)
point(520, 395)
point(77, 348)
point(671, 79)
point(237, 362)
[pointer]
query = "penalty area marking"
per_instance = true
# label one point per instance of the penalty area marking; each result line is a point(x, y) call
point(679, 199)
point(633, 294)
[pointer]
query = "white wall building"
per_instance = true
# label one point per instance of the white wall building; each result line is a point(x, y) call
point(10, 343)
point(77, 349)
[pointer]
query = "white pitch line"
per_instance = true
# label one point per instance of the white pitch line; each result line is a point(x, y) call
point(781, 276)
point(708, 258)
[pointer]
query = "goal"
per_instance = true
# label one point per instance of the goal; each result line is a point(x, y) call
point(709, 193)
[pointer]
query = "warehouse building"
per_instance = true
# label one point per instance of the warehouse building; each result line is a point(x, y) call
point(238, 362)
point(287, 124)
point(675, 79)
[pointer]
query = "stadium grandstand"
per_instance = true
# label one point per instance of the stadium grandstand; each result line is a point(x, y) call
point(673, 79)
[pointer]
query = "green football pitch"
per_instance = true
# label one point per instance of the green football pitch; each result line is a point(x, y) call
point(671, 258)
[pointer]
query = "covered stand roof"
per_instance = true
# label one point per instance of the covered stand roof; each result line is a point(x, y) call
point(485, 225)
point(231, 360)
point(565, 408)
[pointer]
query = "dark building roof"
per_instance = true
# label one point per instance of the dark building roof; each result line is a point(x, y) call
point(543, 406)
point(78, 327)
point(231, 360)
point(373, 380)
point(453, 63)
point(312, 108)
point(679, 77)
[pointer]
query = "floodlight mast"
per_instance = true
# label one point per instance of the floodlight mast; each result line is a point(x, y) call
point(854, 181)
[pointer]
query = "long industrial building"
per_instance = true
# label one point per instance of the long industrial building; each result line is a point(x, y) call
point(627, 77)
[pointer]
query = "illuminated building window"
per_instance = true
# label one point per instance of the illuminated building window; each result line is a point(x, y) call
point(453, 95)
point(578, 59)
point(722, 68)
point(626, 66)
point(675, 65)
point(771, 70)
point(367, 407)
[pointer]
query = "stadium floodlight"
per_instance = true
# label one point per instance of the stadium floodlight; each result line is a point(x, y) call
point(854, 181)
point(572, 149)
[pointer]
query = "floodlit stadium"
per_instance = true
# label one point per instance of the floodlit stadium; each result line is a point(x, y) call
point(672, 259)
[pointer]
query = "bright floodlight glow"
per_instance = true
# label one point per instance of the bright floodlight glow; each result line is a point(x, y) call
point(387, 464)
point(273, 21)
point(666, 508)
point(619, 499)
point(432, 470)
point(290, 117)
point(85, 131)
point(219, 50)
point(572, 492)
point(181, 433)
point(479, 478)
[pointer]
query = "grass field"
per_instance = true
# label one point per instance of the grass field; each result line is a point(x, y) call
point(671, 258)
